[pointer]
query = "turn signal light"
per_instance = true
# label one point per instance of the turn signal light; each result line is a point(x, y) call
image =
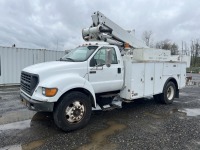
point(49, 92)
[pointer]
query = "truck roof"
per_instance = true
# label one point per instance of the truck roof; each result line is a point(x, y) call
point(95, 43)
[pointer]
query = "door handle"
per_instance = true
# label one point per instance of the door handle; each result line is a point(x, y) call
point(118, 70)
point(92, 72)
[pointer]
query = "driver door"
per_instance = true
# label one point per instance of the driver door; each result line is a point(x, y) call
point(103, 78)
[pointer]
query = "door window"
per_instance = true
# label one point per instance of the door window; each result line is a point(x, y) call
point(99, 58)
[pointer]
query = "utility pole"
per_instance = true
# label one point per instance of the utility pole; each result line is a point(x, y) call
point(57, 45)
point(182, 48)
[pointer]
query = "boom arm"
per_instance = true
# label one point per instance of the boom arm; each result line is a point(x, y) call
point(104, 29)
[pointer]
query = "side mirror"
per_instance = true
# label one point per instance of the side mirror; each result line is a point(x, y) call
point(108, 57)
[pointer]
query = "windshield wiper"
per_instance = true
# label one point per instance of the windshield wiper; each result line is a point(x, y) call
point(65, 59)
point(70, 59)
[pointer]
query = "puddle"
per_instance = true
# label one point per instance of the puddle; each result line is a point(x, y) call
point(193, 112)
point(33, 145)
point(181, 113)
point(39, 119)
point(99, 139)
point(29, 146)
point(16, 125)
point(16, 116)
point(12, 147)
point(187, 112)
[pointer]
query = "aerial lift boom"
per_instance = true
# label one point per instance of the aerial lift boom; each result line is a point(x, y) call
point(103, 29)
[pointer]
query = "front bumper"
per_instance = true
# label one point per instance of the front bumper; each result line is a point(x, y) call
point(36, 105)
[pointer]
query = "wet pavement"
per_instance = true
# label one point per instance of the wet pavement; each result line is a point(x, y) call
point(142, 124)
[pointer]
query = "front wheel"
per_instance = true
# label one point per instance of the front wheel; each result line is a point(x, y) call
point(169, 91)
point(73, 112)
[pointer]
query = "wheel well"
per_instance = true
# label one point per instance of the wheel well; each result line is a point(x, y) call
point(175, 83)
point(82, 90)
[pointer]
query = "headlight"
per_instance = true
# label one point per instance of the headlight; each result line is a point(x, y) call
point(49, 92)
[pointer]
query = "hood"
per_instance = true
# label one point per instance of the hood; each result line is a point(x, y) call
point(55, 67)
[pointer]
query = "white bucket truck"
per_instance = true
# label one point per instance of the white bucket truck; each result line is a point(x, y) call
point(112, 63)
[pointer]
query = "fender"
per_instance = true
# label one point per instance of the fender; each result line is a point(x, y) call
point(172, 79)
point(64, 83)
point(89, 87)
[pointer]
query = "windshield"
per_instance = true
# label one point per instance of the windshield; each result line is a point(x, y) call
point(79, 54)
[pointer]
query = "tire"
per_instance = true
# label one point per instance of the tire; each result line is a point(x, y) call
point(169, 91)
point(73, 111)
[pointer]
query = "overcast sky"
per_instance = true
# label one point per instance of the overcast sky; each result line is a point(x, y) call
point(53, 24)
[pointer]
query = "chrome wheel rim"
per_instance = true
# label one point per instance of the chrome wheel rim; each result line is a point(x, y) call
point(75, 112)
point(170, 93)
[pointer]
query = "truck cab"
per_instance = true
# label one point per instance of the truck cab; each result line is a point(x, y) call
point(85, 69)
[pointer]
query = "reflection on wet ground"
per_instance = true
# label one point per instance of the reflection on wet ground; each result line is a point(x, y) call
point(15, 116)
point(37, 120)
point(16, 125)
point(33, 145)
point(12, 147)
point(192, 112)
point(29, 146)
point(99, 139)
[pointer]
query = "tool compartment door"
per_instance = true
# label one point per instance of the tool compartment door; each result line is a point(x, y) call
point(137, 80)
point(158, 69)
point(149, 79)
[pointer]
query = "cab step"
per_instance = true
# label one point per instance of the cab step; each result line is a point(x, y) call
point(109, 107)
point(113, 105)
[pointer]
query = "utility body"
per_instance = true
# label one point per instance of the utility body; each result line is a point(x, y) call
point(112, 66)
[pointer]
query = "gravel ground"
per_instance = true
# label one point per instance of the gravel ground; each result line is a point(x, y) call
point(142, 124)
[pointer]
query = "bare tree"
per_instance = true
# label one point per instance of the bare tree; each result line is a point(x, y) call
point(146, 36)
point(174, 49)
point(168, 45)
point(195, 53)
point(165, 44)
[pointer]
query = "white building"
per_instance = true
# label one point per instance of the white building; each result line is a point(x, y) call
point(13, 60)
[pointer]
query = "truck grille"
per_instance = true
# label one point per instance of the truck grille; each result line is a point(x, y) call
point(29, 82)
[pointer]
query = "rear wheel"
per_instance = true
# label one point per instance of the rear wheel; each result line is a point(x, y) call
point(168, 94)
point(73, 112)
